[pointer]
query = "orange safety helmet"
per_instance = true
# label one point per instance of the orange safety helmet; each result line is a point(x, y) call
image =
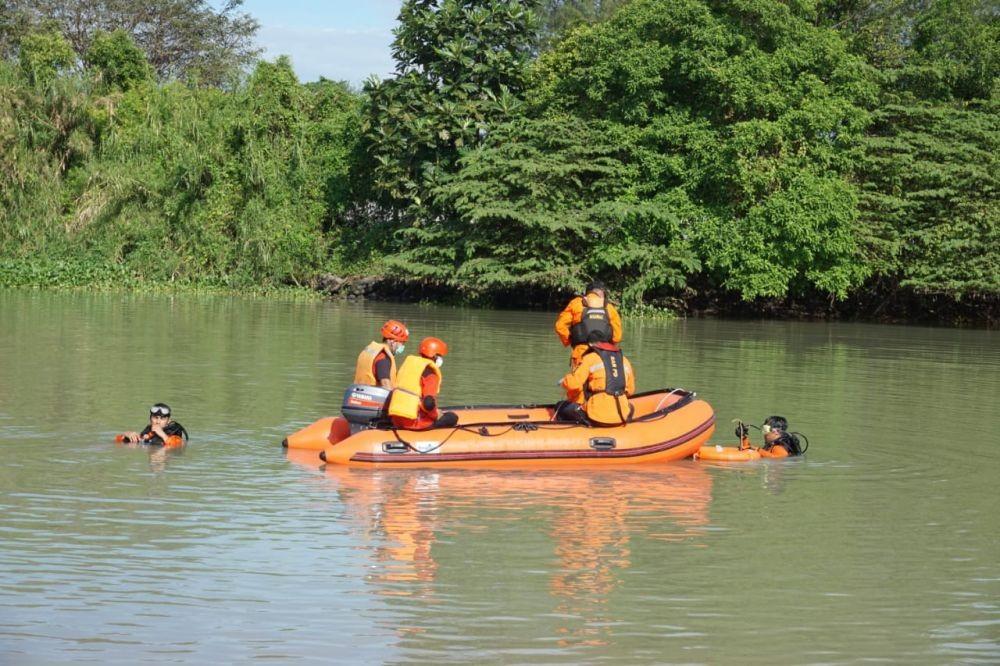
point(394, 330)
point(431, 347)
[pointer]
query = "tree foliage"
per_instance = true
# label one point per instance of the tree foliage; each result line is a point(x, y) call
point(746, 114)
point(932, 181)
point(545, 204)
point(174, 181)
point(929, 170)
point(558, 17)
point(734, 149)
point(460, 68)
point(43, 55)
point(186, 39)
point(119, 63)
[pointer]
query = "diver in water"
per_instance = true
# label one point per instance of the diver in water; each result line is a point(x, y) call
point(161, 431)
point(778, 441)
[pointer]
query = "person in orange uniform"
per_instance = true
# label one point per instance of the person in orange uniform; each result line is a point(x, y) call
point(597, 389)
point(377, 362)
point(413, 404)
point(584, 315)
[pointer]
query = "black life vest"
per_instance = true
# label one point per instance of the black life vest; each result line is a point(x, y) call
point(614, 380)
point(614, 371)
point(790, 443)
point(171, 429)
point(591, 319)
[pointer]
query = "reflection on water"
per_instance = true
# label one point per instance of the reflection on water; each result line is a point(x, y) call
point(879, 545)
point(588, 517)
point(159, 456)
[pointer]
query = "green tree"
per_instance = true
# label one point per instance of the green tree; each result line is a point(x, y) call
point(187, 39)
point(931, 187)
point(557, 17)
point(43, 55)
point(46, 134)
point(544, 204)
point(929, 170)
point(747, 116)
point(934, 48)
point(333, 131)
point(119, 62)
point(175, 182)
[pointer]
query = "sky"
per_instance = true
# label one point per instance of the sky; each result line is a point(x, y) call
point(337, 39)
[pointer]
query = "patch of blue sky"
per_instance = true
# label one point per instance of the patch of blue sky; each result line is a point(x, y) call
point(338, 39)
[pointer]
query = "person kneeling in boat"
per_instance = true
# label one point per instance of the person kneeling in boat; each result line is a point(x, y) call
point(161, 431)
point(584, 315)
point(597, 390)
point(376, 364)
point(413, 403)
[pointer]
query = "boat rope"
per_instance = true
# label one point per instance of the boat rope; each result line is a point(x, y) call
point(483, 429)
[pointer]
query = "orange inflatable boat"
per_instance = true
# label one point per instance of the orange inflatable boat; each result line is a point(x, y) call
point(667, 425)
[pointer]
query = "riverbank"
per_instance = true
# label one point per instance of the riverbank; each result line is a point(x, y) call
point(879, 303)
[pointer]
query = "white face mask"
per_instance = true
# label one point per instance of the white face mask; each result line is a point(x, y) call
point(399, 349)
point(438, 361)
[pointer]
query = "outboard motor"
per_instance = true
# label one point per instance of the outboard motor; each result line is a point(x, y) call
point(364, 405)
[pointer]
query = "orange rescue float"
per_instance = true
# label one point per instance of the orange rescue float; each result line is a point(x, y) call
point(742, 453)
point(726, 454)
point(667, 425)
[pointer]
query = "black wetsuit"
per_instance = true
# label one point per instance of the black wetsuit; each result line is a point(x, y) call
point(172, 429)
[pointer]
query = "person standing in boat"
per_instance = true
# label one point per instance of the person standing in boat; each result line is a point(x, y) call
point(597, 389)
point(161, 431)
point(413, 403)
point(376, 364)
point(584, 315)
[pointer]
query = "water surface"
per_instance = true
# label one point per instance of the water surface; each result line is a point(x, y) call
point(881, 544)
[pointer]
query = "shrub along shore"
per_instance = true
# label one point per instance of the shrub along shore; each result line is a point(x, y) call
point(734, 157)
point(869, 306)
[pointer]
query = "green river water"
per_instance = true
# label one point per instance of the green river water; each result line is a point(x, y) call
point(881, 544)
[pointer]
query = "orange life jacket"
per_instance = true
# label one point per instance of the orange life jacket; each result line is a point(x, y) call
point(364, 372)
point(405, 399)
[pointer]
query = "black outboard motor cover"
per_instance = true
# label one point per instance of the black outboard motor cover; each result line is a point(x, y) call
point(363, 405)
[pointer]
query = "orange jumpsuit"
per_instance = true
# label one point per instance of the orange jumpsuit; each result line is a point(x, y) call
point(585, 385)
point(573, 313)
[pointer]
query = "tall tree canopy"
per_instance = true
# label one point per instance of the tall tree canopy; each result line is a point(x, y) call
point(187, 39)
point(460, 68)
point(557, 17)
point(930, 172)
point(545, 204)
point(742, 116)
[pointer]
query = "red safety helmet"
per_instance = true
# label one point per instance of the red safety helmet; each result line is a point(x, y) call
point(431, 347)
point(394, 330)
